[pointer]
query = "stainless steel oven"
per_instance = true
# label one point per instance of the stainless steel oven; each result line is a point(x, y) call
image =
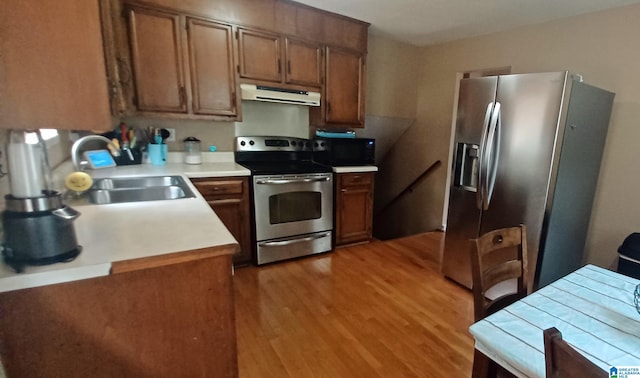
point(292, 197)
point(293, 215)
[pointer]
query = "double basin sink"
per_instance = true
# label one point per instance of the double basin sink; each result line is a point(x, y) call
point(134, 189)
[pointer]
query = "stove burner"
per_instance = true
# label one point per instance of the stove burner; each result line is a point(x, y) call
point(267, 155)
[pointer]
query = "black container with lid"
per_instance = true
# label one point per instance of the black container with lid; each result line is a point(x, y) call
point(38, 231)
point(629, 256)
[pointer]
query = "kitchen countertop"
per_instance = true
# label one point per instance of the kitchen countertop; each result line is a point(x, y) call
point(127, 231)
point(355, 169)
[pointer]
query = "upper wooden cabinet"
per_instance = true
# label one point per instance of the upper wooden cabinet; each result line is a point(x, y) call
point(52, 72)
point(344, 91)
point(182, 66)
point(156, 52)
point(303, 61)
point(259, 55)
point(213, 80)
point(187, 59)
point(262, 58)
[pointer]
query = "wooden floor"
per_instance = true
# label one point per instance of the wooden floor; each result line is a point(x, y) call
point(379, 309)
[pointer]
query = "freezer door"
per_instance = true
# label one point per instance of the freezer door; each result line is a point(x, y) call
point(587, 123)
point(530, 106)
point(476, 99)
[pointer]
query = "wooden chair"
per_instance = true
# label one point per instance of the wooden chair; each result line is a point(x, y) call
point(561, 360)
point(497, 256)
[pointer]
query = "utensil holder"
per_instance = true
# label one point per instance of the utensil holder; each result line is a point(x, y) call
point(129, 159)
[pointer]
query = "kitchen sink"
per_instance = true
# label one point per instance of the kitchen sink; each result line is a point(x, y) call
point(134, 189)
point(137, 182)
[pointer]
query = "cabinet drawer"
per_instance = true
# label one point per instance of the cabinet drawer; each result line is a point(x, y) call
point(214, 188)
point(356, 179)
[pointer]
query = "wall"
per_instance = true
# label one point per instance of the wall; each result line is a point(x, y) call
point(390, 111)
point(601, 46)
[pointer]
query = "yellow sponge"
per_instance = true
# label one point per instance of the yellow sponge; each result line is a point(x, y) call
point(78, 181)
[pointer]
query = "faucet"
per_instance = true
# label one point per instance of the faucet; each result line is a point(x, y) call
point(78, 163)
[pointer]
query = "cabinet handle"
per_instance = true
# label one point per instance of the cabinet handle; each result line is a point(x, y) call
point(183, 96)
point(328, 107)
point(289, 67)
point(279, 71)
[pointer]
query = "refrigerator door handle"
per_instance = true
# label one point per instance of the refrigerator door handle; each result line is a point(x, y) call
point(482, 168)
point(492, 155)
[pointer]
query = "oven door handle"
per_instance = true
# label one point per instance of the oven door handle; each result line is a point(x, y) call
point(292, 181)
point(293, 241)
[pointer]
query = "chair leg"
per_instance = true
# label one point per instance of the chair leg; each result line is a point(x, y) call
point(483, 366)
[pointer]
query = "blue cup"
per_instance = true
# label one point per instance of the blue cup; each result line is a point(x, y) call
point(157, 154)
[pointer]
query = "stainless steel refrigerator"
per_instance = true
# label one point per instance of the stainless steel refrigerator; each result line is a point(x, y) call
point(527, 150)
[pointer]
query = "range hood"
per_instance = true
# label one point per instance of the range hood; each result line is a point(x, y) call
point(253, 92)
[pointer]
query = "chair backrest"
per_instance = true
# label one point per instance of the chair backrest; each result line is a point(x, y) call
point(498, 256)
point(561, 360)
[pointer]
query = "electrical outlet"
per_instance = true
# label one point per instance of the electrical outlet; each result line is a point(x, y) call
point(172, 135)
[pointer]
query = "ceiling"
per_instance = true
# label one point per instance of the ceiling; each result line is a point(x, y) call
point(427, 22)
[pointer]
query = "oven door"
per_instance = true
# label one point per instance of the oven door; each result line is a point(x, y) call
point(289, 205)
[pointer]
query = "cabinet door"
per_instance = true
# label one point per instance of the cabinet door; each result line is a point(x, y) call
point(259, 55)
point(304, 62)
point(232, 214)
point(344, 87)
point(154, 38)
point(52, 69)
point(229, 198)
point(213, 83)
point(354, 207)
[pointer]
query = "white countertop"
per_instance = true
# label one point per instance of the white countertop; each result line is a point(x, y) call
point(126, 231)
point(359, 168)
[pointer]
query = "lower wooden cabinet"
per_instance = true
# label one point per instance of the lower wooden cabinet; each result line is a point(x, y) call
point(229, 198)
point(171, 316)
point(354, 207)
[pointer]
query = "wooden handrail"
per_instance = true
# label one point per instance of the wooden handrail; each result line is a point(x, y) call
point(411, 186)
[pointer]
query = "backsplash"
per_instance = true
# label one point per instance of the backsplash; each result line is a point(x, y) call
point(269, 119)
point(258, 118)
point(219, 134)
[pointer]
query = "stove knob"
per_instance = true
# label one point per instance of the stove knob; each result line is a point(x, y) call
point(243, 143)
point(252, 142)
point(321, 144)
point(293, 143)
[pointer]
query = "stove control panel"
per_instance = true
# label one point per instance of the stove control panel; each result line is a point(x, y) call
point(271, 143)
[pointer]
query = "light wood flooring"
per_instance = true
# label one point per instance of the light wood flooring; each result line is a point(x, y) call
point(374, 310)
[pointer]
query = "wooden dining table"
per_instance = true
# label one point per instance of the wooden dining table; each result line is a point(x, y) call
point(592, 307)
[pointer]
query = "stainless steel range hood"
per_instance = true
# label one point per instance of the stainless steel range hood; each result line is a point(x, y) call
point(253, 92)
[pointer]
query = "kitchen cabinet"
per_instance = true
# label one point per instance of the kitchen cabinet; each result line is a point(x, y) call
point(156, 54)
point(304, 62)
point(53, 72)
point(213, 80)
point(259, 55)
point(182, 66)
point(354, 207)
point(169, 315)
point(229, 198)
point(344, 90)
point(180, 59)
point(261, 58)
